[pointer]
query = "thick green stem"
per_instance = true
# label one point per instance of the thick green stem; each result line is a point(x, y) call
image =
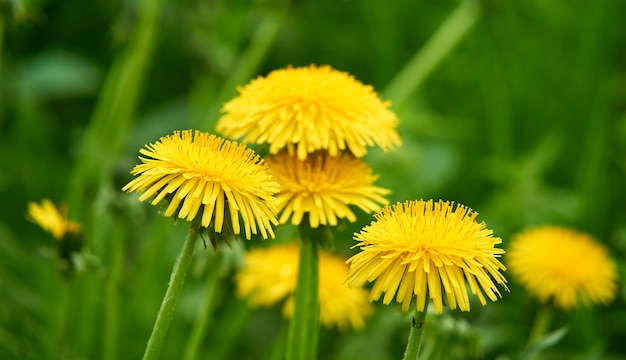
point(414, 344)
point(204, 313)
point(155, 343)
point(303, 333)
point(433, 52)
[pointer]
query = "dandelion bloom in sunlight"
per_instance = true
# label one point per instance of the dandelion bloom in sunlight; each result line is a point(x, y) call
point(270, 275)
point(563, 265)
point(324, 187)
point(200, 174)
point(415, 247)
point(310, 108)
point(52, 219)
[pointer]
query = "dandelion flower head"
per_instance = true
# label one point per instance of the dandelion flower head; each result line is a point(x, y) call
point(52, 219)
point(310, 108)
point(415, 247)
point(270, 275)
point(563, 265)
point(203, 175)
point(324, 187)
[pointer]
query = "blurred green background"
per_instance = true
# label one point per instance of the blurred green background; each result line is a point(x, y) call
point(524, 120)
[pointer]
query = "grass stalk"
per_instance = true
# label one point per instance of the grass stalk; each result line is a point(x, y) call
point(108, 126)
point(434, 51)
point(247, 64)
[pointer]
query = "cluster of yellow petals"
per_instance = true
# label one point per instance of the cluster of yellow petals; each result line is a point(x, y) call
point(270, 275)
point(311, 109)
point(428, 249)
point(324, 187)
point(202, 174)
point(52, 219)
point(563, 265)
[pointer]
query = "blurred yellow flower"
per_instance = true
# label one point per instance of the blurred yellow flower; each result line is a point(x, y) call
point(563, 265)
point(312, 108)
point(415, 247)
point(324, 187)
point(202, 174)
point(52, 219)
point(270, 275)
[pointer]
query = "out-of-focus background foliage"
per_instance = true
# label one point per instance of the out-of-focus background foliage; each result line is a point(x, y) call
point(524, 121)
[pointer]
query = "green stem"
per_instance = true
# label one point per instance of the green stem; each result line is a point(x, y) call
point(303, 333)
point(278, 349)
point(66, 291)
point(237, 317)
point(2, 25)
point(457, 25)
point(87, 309)
point(541, 323)
point(112, 299)
point(206, 306)
point(155, 343)
point(415, 336)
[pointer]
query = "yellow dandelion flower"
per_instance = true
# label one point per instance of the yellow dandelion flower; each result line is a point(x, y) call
point(52, 219)
point(311, 108)
point(324, 187)
point(413, 248)
point(339, 304)
point(270, 275)
point(563, 265)
point(203, 175)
